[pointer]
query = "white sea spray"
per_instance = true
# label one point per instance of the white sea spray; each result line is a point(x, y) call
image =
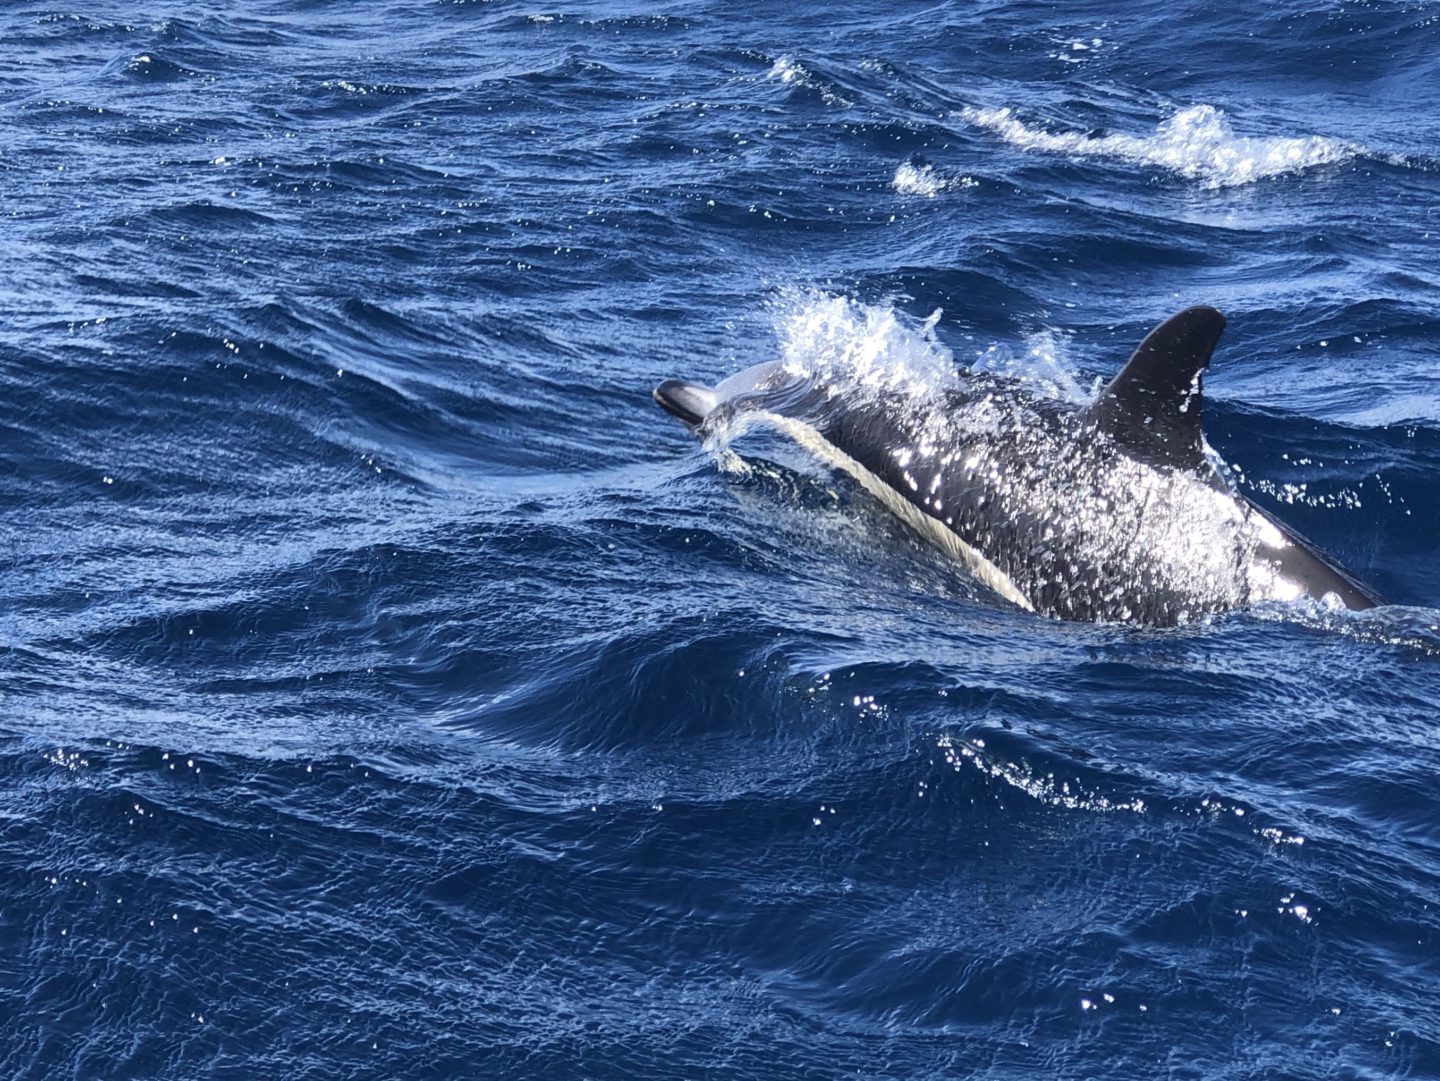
point(849, 344)
point(913, 179)
point(1198, 143)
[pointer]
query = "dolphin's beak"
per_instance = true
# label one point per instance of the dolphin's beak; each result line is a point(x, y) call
point(689, 402)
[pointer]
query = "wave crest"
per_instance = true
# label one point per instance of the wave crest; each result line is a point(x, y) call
point(791, 72)
point(1197, 143)
point(913, 178)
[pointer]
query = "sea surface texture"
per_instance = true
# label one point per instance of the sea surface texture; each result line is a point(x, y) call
point(388, 689)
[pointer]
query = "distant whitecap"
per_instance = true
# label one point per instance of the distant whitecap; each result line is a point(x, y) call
point(920, 179)
point(153, 66)
point(1197, 143)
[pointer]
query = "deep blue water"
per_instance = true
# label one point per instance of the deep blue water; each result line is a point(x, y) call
point(388, 689)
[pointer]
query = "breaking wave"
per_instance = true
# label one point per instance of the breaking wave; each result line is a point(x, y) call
point(1197, 143)
point(918, 178)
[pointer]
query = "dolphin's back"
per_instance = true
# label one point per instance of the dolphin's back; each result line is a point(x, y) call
point(1113, 511)
point(1049, 506)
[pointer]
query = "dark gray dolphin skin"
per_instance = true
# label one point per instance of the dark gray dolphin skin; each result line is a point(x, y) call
point(1113, 512)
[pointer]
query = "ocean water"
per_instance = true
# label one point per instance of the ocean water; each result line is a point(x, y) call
point(388, 689)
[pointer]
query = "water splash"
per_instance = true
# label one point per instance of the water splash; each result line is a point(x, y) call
point(843, 342)
point(1043, 366)
point(918, 178)
point(1197, 143)
point(840, 340)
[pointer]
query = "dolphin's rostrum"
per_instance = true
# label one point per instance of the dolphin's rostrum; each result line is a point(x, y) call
point(1115, 511)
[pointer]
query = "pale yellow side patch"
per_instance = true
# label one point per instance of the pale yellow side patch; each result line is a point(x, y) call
point(932, 530)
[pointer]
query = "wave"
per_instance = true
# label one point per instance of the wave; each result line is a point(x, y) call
point(156, 67)
point(791, 72)
point(1197, 143)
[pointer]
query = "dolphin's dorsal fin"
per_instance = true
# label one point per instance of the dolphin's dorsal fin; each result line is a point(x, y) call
point(1152, 408)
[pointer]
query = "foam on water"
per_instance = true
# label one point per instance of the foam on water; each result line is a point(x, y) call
point(1077, 50)
point(921, 179)
point(1197, 143)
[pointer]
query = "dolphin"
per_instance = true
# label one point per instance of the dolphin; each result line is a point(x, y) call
point(1114, 511)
